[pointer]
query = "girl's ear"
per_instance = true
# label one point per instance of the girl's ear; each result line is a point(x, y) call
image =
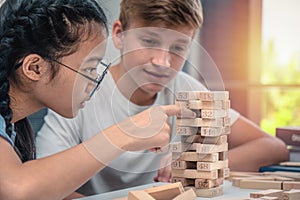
point(117, 33)
point(34, 67)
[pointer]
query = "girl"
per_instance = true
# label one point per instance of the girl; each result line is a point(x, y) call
point(42, 45)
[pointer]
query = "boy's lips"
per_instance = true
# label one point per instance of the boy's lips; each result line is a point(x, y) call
point(157, 74)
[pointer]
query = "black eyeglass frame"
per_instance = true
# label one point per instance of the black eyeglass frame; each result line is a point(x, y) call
point(97, 80)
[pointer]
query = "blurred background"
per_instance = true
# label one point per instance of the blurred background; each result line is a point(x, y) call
point(256, 46)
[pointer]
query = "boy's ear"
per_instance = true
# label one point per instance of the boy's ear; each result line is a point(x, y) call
point(33, 67)
point(117, 33)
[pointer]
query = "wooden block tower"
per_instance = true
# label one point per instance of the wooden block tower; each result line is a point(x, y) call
point(200, 160)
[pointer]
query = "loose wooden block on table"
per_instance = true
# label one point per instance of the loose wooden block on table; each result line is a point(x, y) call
point(269, 192)
point(290, 164)
point(260, 184)
point(211, 192)
point(291, 195)
point(187, 195)
point(288, 185)
point(139, 195)
point(169, 191)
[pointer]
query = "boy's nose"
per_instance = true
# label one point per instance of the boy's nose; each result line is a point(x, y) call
point(161, 58)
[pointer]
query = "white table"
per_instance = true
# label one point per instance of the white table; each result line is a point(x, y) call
point(230, 193)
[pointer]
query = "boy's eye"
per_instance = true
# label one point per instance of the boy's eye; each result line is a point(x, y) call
point(178, 49)
point(149, 42)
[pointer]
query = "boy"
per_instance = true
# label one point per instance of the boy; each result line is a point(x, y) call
point(154, 38)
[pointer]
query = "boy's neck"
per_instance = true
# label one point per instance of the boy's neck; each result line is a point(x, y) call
point(129, 89)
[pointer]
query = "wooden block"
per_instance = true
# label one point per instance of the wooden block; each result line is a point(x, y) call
point(207, 166)
point(260, 184)
point(204, 140)
point(186, 130)
point(214, 132)
point(178, 147)
point(139, 195)
point(203, 95)
point(209, 148)
point(245, 174)
point(187, 195)
point(223, 155)
point(184, 181)
point(194, 174)
point(212, 114)
point(183, 104)
point(237, 180)
point(288, 185)
point(290, 164)
point(211, 192)
point(194, 156)
point(205, 183)
point(291, 195)
point(270, 192)
point(163, 192)
point(224, 173)
point(198, 113)
point(199, 105)
point(181, 164)
point(269, 198)
point(293, 175)
point(227, 121)
point(199, 122)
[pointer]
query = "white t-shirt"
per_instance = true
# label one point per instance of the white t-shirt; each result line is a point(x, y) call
point(106, 108)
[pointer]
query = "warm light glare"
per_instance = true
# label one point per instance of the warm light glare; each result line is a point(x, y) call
point(281, 24)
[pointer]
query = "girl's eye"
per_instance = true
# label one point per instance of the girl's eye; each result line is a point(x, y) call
point(91, 70)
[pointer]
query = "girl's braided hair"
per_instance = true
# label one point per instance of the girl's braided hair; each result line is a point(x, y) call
point(50, 28)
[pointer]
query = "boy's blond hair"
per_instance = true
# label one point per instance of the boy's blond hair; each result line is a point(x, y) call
point(170, 13)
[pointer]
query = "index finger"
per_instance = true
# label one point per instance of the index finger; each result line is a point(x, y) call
point(176, 110)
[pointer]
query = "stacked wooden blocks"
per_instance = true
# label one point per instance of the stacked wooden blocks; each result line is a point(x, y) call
point(200, 159)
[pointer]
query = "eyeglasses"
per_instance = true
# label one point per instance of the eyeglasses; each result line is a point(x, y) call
point(102, 71)
point(102, 67)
